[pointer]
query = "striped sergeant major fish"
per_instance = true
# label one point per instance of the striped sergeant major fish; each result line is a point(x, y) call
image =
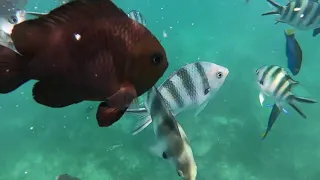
point(301, 14)
point(172, 142)
point(191, 86)
point(276, 83)
point(137, 16)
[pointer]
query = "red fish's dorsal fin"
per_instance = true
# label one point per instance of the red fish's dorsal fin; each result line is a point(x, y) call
point(32, 36)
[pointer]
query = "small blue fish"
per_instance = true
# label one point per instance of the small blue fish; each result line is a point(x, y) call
point(293, 52)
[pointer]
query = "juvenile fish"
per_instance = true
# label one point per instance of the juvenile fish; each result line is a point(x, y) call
point(172, 142)
point(191, 86)
point(83, 50)
point(301, 14)
point(293, 52)
point(276, 83)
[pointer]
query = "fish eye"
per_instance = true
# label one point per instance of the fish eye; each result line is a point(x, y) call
point(13, 20)
point(261, 82)
point(219, 75)
point(156, 58)
point(257, 71)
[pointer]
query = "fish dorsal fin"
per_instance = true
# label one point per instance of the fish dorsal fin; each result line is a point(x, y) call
point(31, 36)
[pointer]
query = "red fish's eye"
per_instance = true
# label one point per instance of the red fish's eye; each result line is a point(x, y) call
point(156, 58)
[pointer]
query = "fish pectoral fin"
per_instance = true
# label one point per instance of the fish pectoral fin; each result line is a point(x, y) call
point(261, 98)
point(201, 108)
point(123, 97)
point(55, 94)
point(315, 32)
point(106, 116)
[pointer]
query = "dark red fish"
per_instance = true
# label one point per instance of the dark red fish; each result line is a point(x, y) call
point(84, 50)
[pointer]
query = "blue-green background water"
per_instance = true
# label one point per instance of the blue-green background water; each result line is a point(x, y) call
point(225, 137)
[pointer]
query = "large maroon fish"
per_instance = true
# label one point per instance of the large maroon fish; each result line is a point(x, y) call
point(84, 50)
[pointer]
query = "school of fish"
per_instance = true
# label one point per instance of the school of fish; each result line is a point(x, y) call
point(75, 58)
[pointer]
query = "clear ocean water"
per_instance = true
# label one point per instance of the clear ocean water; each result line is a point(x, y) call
point(39, 143)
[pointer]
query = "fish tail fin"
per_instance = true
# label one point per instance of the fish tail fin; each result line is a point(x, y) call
point(13, 70)
point(276, 5)
point(304, 100)
point(293, 98)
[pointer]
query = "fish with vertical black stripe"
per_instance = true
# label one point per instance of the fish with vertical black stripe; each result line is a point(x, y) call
point(191, 86)
point(301, 14)
point(276, 83)
point(172, 142)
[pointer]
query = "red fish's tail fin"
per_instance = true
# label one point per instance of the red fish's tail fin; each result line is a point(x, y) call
point(13, 68)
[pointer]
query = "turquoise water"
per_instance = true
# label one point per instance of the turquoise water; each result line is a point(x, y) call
point(39, 143)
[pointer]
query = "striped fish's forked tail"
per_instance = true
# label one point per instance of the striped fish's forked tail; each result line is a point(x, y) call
point(304, 100)
point(278, 7)
point(293, 98)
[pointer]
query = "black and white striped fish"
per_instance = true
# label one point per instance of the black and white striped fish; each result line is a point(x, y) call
point(172, 142)
point(191, 86)
point(275, 82)
point(137, 16)
point(301, 14)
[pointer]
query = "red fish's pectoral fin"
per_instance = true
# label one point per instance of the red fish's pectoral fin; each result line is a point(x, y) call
point(123, 97)
point(54, 94)
point(106, 116)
